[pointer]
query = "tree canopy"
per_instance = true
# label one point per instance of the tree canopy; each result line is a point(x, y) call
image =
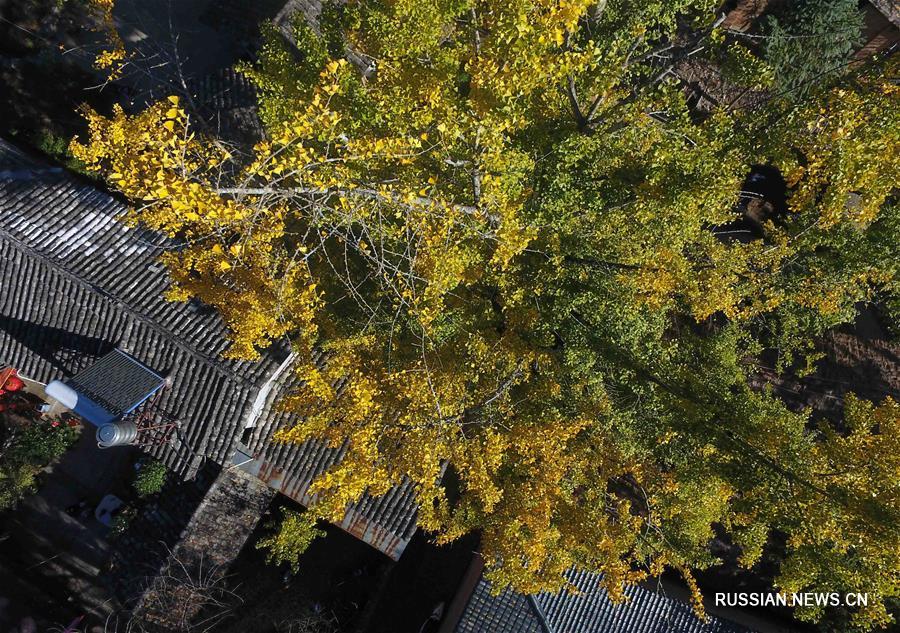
point(812, 41)
point(501, 244)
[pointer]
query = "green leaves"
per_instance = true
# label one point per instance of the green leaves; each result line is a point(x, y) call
point(150, 479)
point(26, 449)
point(810, 43)
point(290, 538)
point(512, 241)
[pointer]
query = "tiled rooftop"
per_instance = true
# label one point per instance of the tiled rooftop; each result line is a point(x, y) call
point(77, 283)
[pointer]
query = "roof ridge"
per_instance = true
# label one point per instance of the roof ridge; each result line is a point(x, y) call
point(539, 613)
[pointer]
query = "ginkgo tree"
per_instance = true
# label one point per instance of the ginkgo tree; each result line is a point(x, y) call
point(505, 235)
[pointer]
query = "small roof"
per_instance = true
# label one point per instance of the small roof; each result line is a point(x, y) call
point(890, 10)
point(588, 611)
point(226, 101)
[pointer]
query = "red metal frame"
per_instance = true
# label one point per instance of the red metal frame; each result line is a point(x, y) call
point(155, 427)
point(6, 374)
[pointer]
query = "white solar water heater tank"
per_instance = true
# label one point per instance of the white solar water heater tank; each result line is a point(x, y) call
point(63, 393)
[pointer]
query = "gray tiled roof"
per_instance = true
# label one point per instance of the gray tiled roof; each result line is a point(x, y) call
point(227, 103)
point(589, 610)
point(291, 468)
point(508, 612)
point(76, 282)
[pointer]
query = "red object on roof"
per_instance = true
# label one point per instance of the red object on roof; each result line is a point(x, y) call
point(13, 384)
point(6, 375)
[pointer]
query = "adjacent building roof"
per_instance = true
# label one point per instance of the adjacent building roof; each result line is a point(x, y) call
point(587, 611)
point(890, 9)
point(78, 282)
point(227, 103)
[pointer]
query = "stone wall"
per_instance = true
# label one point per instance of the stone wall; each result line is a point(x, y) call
point(190, 579)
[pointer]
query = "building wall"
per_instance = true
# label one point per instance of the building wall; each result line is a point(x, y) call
point(192, 575)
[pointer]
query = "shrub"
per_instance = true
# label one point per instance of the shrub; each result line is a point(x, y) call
point(122, 520)
point(291, 538)
point(42, 442)
point(27, 450)
point(150, 479)
point(16, 482)
point(56, 146)
point(309, 621)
